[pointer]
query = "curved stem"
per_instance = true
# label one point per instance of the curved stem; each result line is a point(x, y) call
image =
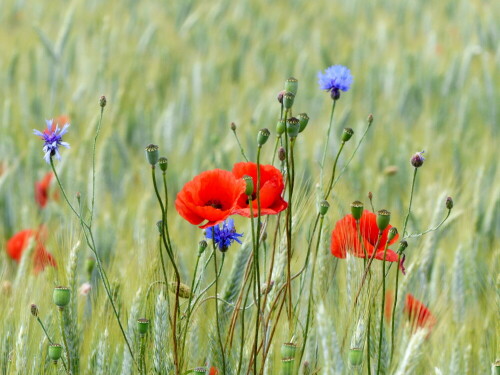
point(93, 166)
point(326, 143)
point(217, 307)
point(63, 333)
point(382, 309)
point(239, 144)
point(330, 184)
point(62, 189)
point(411, 200)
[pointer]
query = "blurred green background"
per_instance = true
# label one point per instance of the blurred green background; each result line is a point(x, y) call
point(177, 73)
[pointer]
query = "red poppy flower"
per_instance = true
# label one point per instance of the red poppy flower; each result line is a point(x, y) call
point(42, 189)
point(19, 242)
point(212, 196)
point(345, 238)
point(271, 186)
point(213, 371)
point(418, 314)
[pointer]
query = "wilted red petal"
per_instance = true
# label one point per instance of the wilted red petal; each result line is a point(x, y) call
point(42, 259)
point(418, 314)
point(270, 189)
point(19, 242)
point(42, 189)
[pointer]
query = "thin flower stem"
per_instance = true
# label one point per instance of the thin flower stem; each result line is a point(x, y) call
point(394, 309)
point(165, 219)
point(217, 307)
point(62, 189)
point(239, 144)
point(415, 235)
point(368, 358)
point(275, 149)
point(330, 184)
point(256, 260)
point(411, 200)
point(242, 337)
point(367, 269)
point(326, 143)
point(93, 167)
point(50, 341)
point(358, 230)
point(256, 286)
point(288, 226)
point(63, 333)
point(382, 310)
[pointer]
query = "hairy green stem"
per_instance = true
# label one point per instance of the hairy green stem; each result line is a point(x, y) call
point(326, 143)
point(382, 309)
point(217, 307)
point(93, 167)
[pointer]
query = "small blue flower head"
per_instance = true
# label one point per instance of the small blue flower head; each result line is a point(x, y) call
point(223, 234)
point(52, 136)
point(334, 79)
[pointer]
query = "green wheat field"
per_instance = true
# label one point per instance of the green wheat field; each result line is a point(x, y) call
point(176, 74)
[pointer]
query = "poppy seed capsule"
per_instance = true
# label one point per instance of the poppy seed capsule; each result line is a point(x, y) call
point(34, 310)
point(163, 163)
point(249, 185)
point(292, 127)
point(200, 370)
point(292, 85)
point(303, 120)
point(402, 246)
point(142, 326)
point(61, 296)
point(323, 208)
point(262, 137)
point(288, 350)
point(287, 365)
point(55, 352)
point(152, 154)
point(357, 210)
point(102, 101)
point(184, 290)
point(383, 218)
point(355, 357)
point(393, 232)
point(449, 203)
point(288, 99)
point(280, 127)
point(347, 134)
point(202, 245)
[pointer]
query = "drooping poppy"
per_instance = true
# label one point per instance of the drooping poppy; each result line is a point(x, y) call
point(211, 196)
point(345, 238)
point(418, 314)
point(42, 189)
point(20, 241)
point(270, 188)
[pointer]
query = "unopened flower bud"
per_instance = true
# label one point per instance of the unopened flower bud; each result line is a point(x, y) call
point(370, 119)
point(370, 195)
point(393, 232)
point(292, 127)
point(163, 163)
point(335, 94)
point(263, 136)
point(355, 357)
point(61, 296)
point(202, 245)
point(357, 209)
point(288, 99)
point(449, 203)
point(402, 246)
point(142, 326)
point(292, 85)
point(249, 185)
point(55, 352)
point(89, 265)
point(152, 154)
point(347, 134)
point(281, 154)
point(280, 127)
point(233, 126)
point(417, 160)
point(184, 290)
point(280, 96)
point(383, 218)
point(34, 310)
point(102, 101)
point(323, 208)
point(303, 120)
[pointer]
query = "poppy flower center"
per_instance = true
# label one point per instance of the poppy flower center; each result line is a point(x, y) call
point(214, 203)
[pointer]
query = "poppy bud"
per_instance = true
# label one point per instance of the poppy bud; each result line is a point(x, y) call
point(402, 246)
point(357, 209)
point(280, 127)
point(202, 245)
point(233, 126)
point(347, 134)
point(288, 350)
point(61, 296)
point(370, 119)
point(288, 99)
point(184, 290)
point(102, 101)
point(263, 136)
point(383, 218)
point(393, 232)
point(89, 265)
point(249, 185)
point(303, 120)
point(163, 162)
point(152, 154)
point(292, 85)
point(355, 357)
point(417, 160)
point(370, 195)
point(142, 326)
point(449, 203)
point(55, 352)
point(34, 310)
point(323, 208)
point(280, 96)
point(281, 154)
point(292, 127)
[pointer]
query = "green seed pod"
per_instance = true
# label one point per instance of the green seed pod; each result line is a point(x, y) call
point(357, 209)
point(102, 101)
point(288, 350)
point(61, 296)
point(355, 357)
point(292, 127)
point(34, 310)
point(202, 245)
point(497, 367)
point(292, 85)
point(249, 185)
point(55, 352)
point(347, 134)
point(184, 290)
point(402, 246)
point(288, 99)
point(280, 127)
point(142, 326)
point(152, 154)
point(383, 218)
point(287, 365)
point(89, 265)
point(263, 136)
point(323, 208)
point(303, 120)
point(163, 162)
point(449, 203)
point(393, 232)
point(200, 370)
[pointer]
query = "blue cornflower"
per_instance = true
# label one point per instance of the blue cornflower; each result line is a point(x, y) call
point(224, 234)
point(52, 137)
point(335, 78)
